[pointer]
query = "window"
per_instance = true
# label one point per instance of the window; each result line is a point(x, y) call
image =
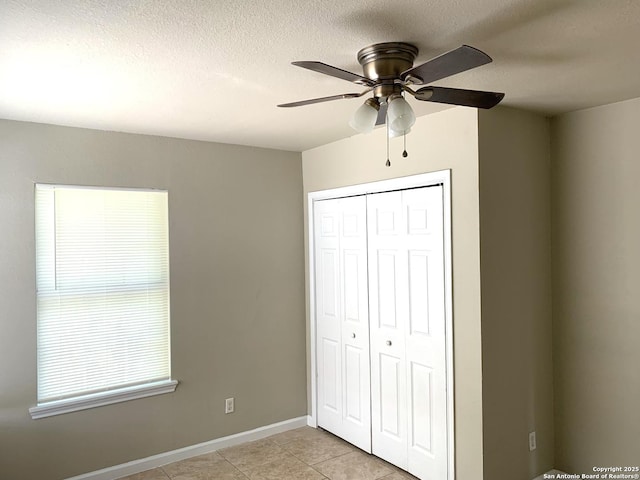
point(102, 282)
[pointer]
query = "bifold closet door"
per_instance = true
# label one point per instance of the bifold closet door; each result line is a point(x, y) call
point(407, 330)
point(342, 319)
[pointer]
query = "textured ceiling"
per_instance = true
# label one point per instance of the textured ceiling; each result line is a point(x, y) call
point(215, 70)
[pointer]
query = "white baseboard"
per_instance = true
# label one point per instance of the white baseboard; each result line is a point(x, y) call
point(137, 466)
point(550, 474)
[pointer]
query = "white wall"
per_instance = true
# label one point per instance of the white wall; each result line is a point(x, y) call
point(237, 295)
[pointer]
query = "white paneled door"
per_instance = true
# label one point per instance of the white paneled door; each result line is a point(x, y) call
point(380, 323)
point(342, 319)
point(407, 323)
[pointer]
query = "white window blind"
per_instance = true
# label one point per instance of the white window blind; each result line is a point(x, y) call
point(102, 273)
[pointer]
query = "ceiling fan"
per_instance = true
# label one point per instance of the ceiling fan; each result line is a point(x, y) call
point(389, 71)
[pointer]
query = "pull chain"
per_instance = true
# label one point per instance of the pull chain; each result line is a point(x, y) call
point(388, 164)
point(404, 153)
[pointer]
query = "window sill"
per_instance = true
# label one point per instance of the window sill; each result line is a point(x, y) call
point(85, 402)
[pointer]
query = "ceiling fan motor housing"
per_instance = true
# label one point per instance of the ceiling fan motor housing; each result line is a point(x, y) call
point(384, 62)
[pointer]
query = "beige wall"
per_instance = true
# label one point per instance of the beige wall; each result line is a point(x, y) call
point(237, 295)
point(515, 236)
point(445, 140)
point(596, 309)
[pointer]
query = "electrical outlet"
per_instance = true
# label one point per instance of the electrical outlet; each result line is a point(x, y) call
point(532, 441)
point(228, 405)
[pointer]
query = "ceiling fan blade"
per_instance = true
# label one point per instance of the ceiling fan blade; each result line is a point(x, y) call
point(455, 61)
point(335, 72)
point(321, 99)
point(456, 96)
point(382, 114)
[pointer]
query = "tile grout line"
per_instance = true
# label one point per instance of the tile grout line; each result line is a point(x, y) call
point(311, 466)
point(246, 475)
point(284, 447)
point(233, 465)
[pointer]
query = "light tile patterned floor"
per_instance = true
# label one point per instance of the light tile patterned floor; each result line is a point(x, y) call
point(301, 454)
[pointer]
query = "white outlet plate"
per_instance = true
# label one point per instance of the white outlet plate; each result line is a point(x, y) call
point(229, 405)
point(532, 441)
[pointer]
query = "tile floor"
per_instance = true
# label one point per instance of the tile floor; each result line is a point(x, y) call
point(301, 454)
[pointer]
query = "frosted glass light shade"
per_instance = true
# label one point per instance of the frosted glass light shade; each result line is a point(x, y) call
point(397, 133)
point(400, 114)
point(364, 118)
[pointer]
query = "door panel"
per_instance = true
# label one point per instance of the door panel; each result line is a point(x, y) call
point(390, 393)
point(327, 314)
point(329, 268)
point(407, 317)
point(388, 306)
point(354, 360)
point(418, 293)
point(342, 317)
point(427, 443)
point(386, 291)
point(330, 367)
point(352, 287)
point(421, 411)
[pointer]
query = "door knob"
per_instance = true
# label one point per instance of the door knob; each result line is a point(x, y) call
point(389, 342)
point(353, 335)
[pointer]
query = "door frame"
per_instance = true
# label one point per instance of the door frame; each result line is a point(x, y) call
point(442, 177)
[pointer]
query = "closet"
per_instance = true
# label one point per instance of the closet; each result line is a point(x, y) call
point(381, 325)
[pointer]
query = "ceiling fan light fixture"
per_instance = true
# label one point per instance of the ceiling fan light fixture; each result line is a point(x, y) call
point(400, 114)
point(388, 72)
point(364, 118)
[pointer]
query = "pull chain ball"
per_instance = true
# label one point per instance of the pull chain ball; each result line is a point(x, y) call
point(388, 164)
point(405, 154)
